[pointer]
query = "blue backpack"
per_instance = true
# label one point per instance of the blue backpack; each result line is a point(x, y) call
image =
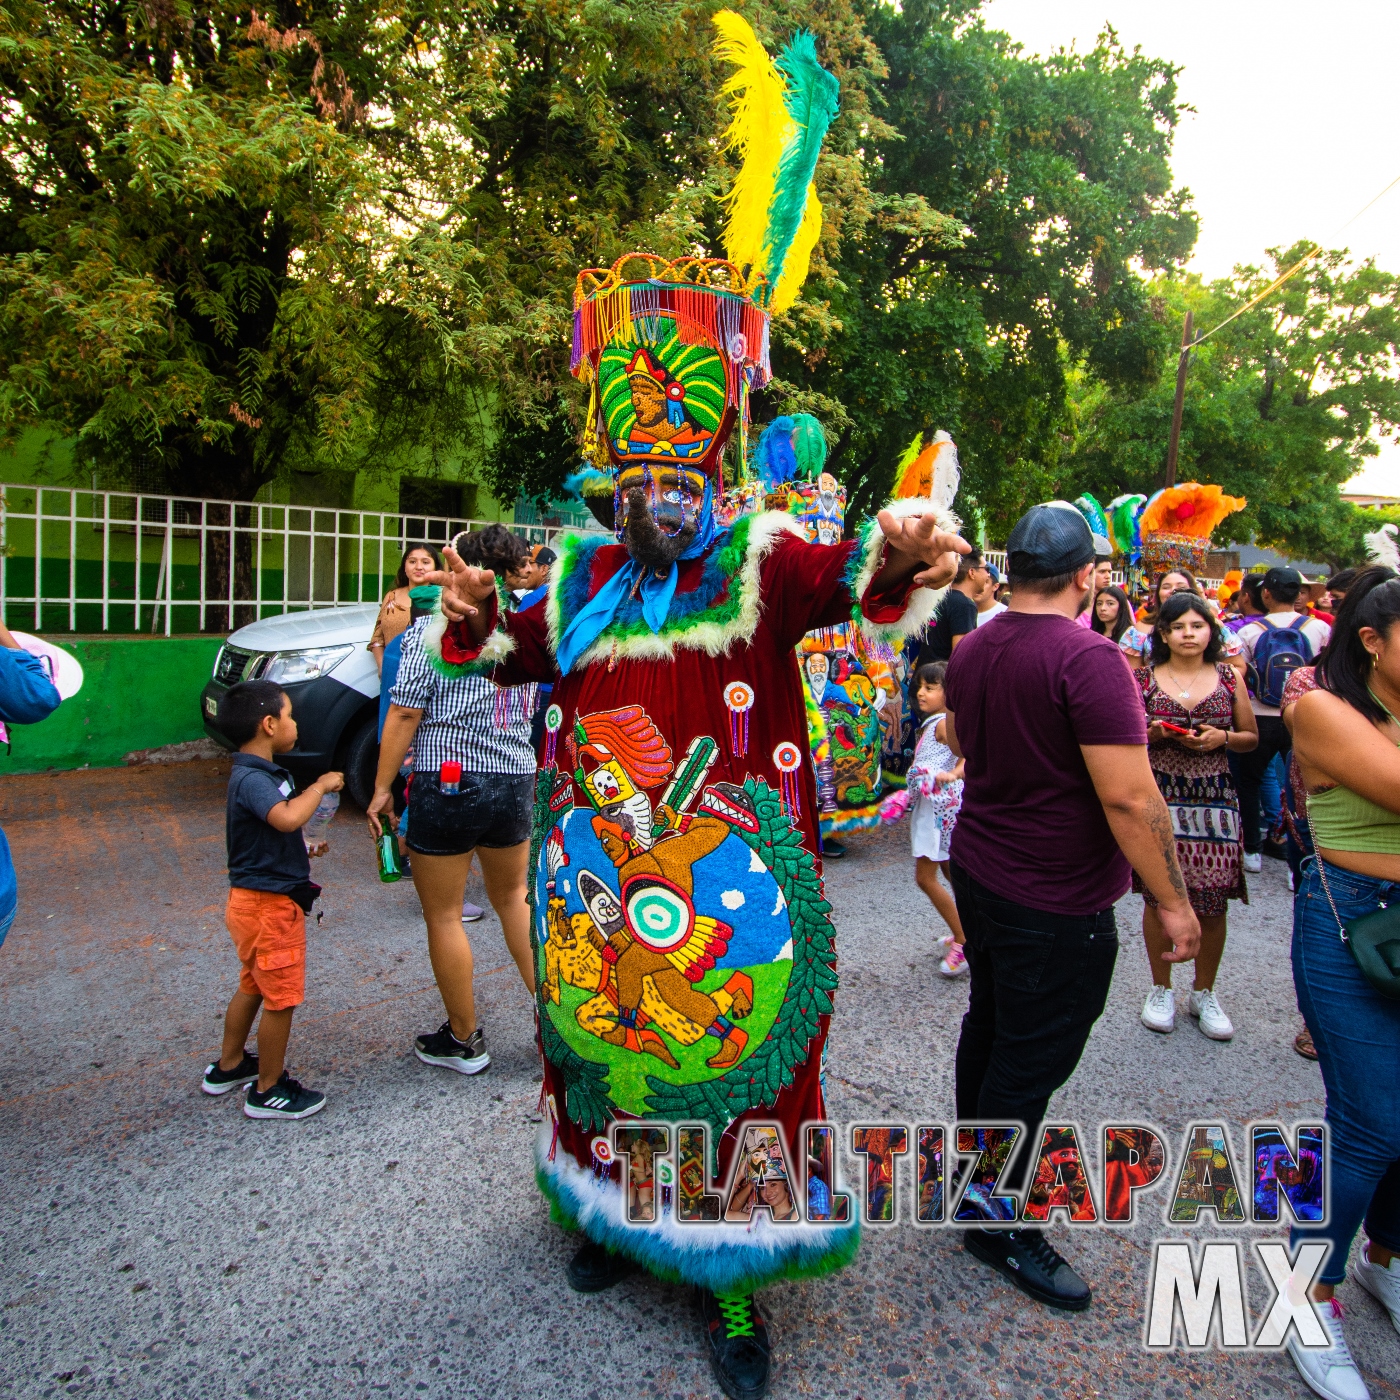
point(1278, 652)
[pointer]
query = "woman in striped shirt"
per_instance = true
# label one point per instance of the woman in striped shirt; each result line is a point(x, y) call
point(473, 789)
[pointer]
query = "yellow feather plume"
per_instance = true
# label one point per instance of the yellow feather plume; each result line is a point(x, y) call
point(799, 258)
point(757, 131)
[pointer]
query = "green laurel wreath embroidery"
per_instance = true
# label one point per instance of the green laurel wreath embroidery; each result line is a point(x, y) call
point(587, 1093)
point(757, 1081)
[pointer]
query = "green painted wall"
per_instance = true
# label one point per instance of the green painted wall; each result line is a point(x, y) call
point(138, 693)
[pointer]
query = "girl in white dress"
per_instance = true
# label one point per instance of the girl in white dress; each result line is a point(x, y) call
point(933, 798)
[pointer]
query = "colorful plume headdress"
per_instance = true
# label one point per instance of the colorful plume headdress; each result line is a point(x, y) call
point(1177, 524)
point(1124, 524)
point(1189, 509)
point(782, 112)
point(930, 472)
point(673, 349)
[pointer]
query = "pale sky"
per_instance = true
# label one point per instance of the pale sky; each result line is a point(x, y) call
point(1295, 127)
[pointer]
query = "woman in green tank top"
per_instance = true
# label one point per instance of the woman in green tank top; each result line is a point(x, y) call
point(1347, 742)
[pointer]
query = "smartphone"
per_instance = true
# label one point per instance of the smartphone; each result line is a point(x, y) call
point(1176, 728)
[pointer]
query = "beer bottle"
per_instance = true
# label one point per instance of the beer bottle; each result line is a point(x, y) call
point(390, 865)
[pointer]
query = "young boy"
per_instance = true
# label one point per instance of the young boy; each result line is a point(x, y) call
point(271, 890)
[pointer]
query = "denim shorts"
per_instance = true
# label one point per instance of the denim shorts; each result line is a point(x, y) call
point(490, 809)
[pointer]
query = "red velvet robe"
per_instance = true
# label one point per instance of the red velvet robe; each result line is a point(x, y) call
point(719, 900)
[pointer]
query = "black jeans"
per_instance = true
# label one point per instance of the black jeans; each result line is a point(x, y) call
point(1038, 983)
point(1274, 738)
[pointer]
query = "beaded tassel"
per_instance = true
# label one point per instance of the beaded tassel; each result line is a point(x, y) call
point(787, 758)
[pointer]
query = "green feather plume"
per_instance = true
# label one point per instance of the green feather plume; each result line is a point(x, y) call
point(811, 101)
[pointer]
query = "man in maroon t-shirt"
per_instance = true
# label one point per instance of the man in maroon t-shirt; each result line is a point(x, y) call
point(1059, 805)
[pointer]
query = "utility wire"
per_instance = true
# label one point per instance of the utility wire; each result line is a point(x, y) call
point(1297, 267)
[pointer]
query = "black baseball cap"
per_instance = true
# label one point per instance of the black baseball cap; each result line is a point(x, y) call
point(1281, 577)
point(1049, 540)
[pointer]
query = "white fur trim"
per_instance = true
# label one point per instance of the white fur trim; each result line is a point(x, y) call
point(434, 631)
point(923, 602)
point(722, 1258)
point(713, 638)
point(494, 649)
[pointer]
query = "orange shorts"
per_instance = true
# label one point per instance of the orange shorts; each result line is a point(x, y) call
point(269, 932)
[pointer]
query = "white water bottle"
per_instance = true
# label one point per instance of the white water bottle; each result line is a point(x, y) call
point(314, 832)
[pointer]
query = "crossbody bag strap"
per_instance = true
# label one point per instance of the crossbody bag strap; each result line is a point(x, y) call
point(1322, 875)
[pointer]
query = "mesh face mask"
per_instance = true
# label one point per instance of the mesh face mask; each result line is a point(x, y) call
point(670, 493)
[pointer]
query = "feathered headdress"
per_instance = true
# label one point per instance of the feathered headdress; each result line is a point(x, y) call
point(1124, 524)
point(672, 349)
point(792, 448)
point(1088, 506)
point(931, 472)
point(781, 113)
point(1229, 586)
point(1189, 509)
point(1177, 524)
point(1381, 548)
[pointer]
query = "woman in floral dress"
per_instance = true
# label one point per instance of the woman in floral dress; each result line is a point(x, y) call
point(1197, 711)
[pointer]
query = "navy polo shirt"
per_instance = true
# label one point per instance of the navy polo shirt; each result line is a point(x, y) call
point(259, 856)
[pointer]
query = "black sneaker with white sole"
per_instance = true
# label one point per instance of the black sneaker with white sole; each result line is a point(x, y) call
point(285, 1099)
point(1033, 1264)
point(220, 1081)
point(443, 1049)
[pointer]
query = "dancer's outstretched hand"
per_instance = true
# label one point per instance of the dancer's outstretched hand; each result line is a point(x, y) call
point(923, 546)
point(463, 586)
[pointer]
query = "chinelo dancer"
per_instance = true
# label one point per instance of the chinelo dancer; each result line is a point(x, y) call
point(684, 951)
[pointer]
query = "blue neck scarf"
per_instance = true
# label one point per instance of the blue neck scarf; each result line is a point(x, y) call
point(656, 593)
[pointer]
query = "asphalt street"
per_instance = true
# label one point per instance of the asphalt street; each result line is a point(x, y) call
point(154, 1242)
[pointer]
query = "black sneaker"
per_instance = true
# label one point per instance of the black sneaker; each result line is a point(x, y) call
point(832, 849)
point(286, 1099)
point(220, 1081)
point(738, 1339)
point(595, 1268)
point(1029, 1260)
point(444, 1049)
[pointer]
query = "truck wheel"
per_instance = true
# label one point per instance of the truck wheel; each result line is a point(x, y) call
point(362, 761)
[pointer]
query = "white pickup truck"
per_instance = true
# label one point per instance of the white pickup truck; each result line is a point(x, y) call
point(321, 659)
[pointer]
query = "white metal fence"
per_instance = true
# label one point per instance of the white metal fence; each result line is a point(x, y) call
point(114, 561)
point(998, 557)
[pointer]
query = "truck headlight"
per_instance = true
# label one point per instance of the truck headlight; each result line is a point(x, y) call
point(290, 667)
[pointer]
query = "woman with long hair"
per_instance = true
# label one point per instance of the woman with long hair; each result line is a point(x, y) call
point(1347, 741)
point(1136, 642)
point(1113, 613)
point(1197, 713)
point(395, 612)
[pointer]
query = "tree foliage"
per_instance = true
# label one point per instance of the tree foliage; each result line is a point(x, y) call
point(1056, 173)
point(234, 240)
point(1283, 404)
